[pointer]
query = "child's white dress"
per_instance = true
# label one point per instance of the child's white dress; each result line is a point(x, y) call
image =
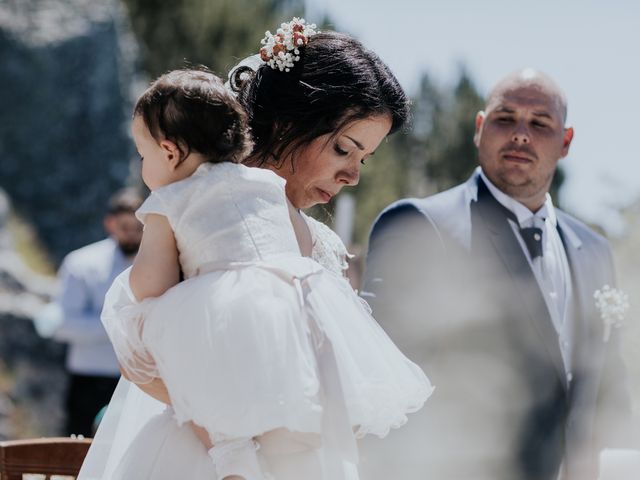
point(258, 341)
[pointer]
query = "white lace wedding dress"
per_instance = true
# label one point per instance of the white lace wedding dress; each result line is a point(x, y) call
point(258, 341)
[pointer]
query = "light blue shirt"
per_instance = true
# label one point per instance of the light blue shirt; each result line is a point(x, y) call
point(85, 276)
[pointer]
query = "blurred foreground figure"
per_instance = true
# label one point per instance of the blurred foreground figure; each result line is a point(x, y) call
point(85, 276)
point(490, 289)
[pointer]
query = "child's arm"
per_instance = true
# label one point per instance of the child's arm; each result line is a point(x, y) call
point(156, 267)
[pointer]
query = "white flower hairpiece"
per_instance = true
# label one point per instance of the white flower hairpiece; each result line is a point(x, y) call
point(613, 304)
point(283, 49)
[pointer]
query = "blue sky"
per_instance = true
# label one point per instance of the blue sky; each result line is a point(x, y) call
point(591, 48)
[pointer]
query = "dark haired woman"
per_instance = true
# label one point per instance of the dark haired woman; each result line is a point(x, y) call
point(289, 359)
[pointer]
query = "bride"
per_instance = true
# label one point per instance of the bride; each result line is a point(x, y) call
point(317, 111)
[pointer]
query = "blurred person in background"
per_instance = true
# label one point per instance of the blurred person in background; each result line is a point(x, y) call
point(490, 288)
point(85, 275)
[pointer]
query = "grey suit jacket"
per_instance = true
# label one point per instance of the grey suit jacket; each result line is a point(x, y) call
point(448, 280)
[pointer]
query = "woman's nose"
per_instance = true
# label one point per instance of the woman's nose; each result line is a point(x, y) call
point(349, 177)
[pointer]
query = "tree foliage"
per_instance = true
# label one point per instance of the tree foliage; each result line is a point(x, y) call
point(215, 33)
point(435, 152)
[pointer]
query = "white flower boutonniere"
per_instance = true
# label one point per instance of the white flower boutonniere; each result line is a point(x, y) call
point(613, 304)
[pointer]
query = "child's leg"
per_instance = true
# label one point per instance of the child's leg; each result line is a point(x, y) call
point(234, 459)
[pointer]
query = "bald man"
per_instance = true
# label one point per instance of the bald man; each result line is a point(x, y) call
point(489, 287)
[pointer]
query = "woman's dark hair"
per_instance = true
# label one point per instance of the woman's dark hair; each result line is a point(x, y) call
point(193, 109)
point(335, 82)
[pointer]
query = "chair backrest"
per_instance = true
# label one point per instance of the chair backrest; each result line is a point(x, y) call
point(42, 458)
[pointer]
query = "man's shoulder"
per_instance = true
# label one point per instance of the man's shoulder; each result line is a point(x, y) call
point(581, 230)
point(427, 208)
point(94, 253)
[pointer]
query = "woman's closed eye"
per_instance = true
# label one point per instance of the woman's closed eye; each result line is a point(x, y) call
point(339, 150)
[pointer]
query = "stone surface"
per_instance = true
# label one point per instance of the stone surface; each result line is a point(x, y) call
point(66, 73)
point(32, 374)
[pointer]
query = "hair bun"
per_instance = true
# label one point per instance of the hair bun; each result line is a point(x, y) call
point(243, 73)
point(240, 77)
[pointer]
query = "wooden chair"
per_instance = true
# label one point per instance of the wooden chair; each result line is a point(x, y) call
point(43, 458)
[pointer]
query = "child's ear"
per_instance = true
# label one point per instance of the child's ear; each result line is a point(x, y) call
point(172, 153)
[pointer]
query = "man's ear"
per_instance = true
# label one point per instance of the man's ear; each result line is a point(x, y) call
point(109, 224)
point(480, 116)
point(172, 154)
point(566, 141)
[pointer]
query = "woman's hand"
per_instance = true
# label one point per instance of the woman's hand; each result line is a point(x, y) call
point(156, 389)
point(202, 435)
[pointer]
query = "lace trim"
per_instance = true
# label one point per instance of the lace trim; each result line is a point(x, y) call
point(328, 249)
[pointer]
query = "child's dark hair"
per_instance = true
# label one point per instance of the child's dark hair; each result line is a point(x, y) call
point(193, 109)
point(335, 82)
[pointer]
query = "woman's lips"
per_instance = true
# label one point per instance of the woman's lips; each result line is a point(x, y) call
point(326, 196)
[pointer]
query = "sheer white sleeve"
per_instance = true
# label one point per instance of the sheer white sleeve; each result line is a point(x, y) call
point(123, 319)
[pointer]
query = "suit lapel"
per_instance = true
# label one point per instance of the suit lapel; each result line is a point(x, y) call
point(584, 329)
point(489, 212)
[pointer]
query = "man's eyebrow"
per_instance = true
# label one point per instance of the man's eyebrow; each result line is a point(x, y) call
point(504, 109)
point(543, 114)
point(537, 113)
point(357, 143)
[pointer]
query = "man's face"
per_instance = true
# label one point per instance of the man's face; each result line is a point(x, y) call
point(520, 139)
point(126, 229)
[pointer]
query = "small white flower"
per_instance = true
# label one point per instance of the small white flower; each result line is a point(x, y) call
point(612, 304)
point(284, 37)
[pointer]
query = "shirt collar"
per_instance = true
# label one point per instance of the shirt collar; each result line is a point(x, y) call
point(522, 213)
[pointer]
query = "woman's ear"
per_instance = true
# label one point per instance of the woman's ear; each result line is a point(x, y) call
point(172, 153)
